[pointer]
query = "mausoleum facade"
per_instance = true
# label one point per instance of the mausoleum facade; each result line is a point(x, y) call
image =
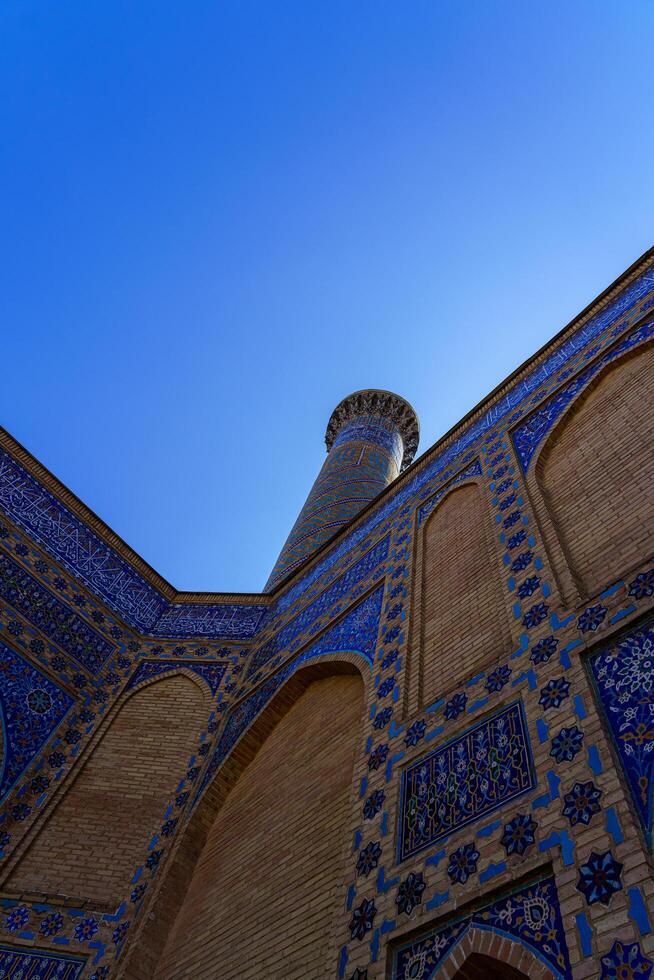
point(424, 751)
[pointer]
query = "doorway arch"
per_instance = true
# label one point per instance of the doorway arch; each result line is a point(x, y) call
point(483, 954)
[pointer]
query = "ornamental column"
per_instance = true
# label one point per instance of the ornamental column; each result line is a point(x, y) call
point(371, 437)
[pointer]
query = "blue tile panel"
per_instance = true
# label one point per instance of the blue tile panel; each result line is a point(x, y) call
point(73, 544)
point(83, 553)
point(623, 676)
point(356, 632)
point(33, 707)
point(340, 589)
point(528, 436)
point(530, 916)
point(358, 467)
point(34, 964)
point(52, 616)
point(464, 780)
point(222, 621)
point(212, 673)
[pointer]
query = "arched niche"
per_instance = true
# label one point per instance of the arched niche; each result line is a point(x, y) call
point(485, 955)
point(591, 480)
point(96, 833)
point(463, 623)
point(304, 741)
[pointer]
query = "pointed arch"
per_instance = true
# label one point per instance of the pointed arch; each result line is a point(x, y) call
point(306, 735)
point(591, 482)
point(483, 954)
point(92, 838)
point(136, 683)
point(463, 623)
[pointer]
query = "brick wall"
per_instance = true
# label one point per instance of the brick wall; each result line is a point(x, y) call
point(269, 879)
point(464, 622)
point(89, 847)
point(596, 476)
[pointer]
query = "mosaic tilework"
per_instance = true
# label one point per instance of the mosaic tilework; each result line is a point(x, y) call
point(356, 632)
point(529, 436)
point(425, 510)
point(23, 964)
point(81, 551)
point(212, 673)
point(530, 915)
point(352, 475)
point(224, 620)
point(628, 299)
point(84, 554)
point(623, 675)
point(52, 616)
point(340, 589)
point(33, 706)
point(464, 780)
point(373, 428)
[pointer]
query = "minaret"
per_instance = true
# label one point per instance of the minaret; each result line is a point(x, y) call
point(371, 437)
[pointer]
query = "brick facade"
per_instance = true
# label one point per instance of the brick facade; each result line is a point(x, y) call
point(426, 752)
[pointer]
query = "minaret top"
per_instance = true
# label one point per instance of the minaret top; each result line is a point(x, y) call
point(373, 402)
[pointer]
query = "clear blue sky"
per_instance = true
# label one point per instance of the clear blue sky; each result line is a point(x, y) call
point(219, 218)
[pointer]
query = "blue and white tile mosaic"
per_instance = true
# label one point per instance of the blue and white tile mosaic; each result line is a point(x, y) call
point(623, 675)
point(211, 673)
point(355, 633)
point(465, 779)
point(51, 616)
point(34, 964)
point(33, 707)
point(529, 916)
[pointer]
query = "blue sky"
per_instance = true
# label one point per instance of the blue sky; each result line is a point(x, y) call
point(220, 218)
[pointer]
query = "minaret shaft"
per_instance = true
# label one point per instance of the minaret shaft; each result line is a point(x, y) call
point(371, 436)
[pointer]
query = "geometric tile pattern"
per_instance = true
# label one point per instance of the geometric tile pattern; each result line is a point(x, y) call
point(356, 632)
point(53, 617)
point(529, 435)
point(211, 673)
point(339, 589)
point(32, 707)
point(355, 472)
point(23, 964)
point(623, 676)
point(464, 780)
point(81, 551)
point(530, 915)
point(70, 542)
point(425, 510)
